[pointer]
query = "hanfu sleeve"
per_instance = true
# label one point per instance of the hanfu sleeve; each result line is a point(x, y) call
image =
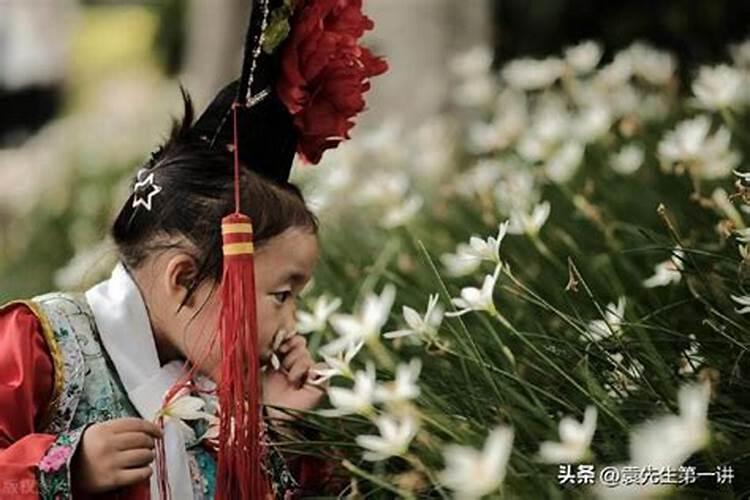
point(26, 390)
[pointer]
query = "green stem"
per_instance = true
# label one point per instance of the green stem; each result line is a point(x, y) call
point(421, 467)
point(382, 356)
point(554, 365)
point(376, 480)
point(545, 251)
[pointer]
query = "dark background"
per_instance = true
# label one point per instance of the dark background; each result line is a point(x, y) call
point(697, 31)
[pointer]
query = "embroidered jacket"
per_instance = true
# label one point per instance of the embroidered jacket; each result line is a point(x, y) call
point(59, 373)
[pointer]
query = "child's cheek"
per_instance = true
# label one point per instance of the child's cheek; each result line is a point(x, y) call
point(266, 325)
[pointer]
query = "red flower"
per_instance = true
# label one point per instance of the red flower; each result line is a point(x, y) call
point(324, 72)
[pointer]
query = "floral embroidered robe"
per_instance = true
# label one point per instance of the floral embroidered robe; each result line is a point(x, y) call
point(58, 375)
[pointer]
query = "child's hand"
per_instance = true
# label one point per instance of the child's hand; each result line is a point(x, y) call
point(287, 387)
point(115, 453)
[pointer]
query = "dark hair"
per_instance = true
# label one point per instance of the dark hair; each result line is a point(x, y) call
point(196, 193)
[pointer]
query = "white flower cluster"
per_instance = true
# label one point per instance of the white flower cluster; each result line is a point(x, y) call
point(666, 441)
point(536, 122)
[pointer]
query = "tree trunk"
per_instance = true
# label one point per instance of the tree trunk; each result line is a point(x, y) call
point(216, 34)
point(420, 38)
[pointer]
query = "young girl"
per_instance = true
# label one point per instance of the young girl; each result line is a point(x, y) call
point(82, 377)
point(85, 378)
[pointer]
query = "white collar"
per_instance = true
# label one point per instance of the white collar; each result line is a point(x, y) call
point(125, 330)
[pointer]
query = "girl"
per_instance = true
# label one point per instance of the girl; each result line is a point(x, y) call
point(82, 377)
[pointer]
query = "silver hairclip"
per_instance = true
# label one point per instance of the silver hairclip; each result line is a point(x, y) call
point(143, 185)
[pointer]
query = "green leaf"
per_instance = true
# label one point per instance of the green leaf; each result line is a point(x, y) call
point(278, 27)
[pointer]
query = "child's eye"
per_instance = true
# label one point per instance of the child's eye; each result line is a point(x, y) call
point(282, 297)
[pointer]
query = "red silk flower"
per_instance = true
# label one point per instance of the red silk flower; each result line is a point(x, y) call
point(324, 72)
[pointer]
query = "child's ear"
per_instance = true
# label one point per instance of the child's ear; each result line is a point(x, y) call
point(180, 275)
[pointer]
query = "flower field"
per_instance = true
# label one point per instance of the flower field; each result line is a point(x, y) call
point(543, 295)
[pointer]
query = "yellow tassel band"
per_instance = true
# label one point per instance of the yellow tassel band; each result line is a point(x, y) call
point(236, 228)
point(238, 249)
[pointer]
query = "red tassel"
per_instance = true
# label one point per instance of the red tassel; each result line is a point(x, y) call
point(240, 473)
point(161, 463)
point(240, 476)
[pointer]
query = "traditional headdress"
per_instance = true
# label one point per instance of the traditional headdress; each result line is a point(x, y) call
point(303, 76)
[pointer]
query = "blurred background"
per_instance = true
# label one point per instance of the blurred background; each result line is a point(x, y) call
point(87, 89)
point(604, 144)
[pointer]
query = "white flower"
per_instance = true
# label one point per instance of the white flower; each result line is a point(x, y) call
point(384, 142)
point(744, 301)
point(592, 123)
point(719, 87)
point(743, 176)
point(183, 408)
point(458, 264)
point(516, 191)
point(611, 324)
point(724, 203)
point(670, 440)
point(401, 214)
point(404, 387)
point(488, 249)
point(743, 235)
point(654, 66)
point(562, 166)
point(583, 57)
point(467, 258)
point(617, 73)
point(395, 437)
point(421, 327)
point(357, 400)
point(627, 160)
point(624, 378)
point(689, 146)
point(212, 430)
point(480, 177)
point(690, 358)
point(476, 299)
point(473, 62)
point(575, 440)
point(531, 224)
point(626, 99)
point(533, 74)
point(434, 146)
point(667, 272)
point(741, 54)
point(384, 188)
point(665, 442)
point(316, 321)
point(549, 128)
point(488, 137)
point(472, 473)
point(477, 91)
point(338, 366)
point(365, 325)
point(509, 122)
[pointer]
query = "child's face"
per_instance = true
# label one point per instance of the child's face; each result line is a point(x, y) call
point(283, 266)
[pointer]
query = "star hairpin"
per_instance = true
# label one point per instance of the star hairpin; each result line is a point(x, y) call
point(145, 190)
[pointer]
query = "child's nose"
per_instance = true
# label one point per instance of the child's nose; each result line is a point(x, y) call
point(290, 318)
